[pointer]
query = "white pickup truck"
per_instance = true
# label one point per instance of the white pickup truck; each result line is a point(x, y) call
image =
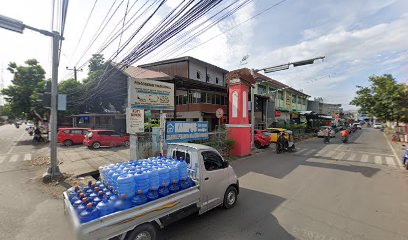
point(216, 184)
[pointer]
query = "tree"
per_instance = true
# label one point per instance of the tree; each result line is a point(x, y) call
point(74, 91)
point(27, 83)
point(384, 98)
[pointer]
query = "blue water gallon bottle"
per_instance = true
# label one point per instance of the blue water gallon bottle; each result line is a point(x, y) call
point(126, 185)
point(152, 194)
point(139, 199)
point(174, 187)
point(163, 191)
point(154, 181)
point(164, 175)
point(81, 207)
point(89, 214)
point(98, 198)
point(104, 207)
point(123, 203)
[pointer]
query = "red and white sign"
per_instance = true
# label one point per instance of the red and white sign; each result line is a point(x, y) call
point(219, 113)
point(277, 113)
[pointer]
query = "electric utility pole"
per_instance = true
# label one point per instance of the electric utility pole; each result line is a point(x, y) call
point(75, 72)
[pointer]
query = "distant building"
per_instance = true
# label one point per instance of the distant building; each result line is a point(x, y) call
point(318, 106)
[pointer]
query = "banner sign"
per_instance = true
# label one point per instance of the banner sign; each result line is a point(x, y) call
point(134, 120)
point(151, 95)
point(186, 131)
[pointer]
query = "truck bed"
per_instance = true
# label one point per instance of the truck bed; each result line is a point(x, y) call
point(120, 222)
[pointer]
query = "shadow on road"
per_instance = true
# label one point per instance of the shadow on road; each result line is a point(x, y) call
point(251, 218)
point(365, 171)
point(34, 144)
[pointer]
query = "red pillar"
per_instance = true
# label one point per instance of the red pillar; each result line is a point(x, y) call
point(239, 128)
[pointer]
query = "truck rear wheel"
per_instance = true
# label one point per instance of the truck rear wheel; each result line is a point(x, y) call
point(230, 197)
point(143, 232)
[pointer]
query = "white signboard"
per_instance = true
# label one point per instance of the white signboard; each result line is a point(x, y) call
point(151, 95)
point(134, 120)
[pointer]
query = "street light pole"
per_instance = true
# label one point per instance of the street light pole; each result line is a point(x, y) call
point(54, 169)
point(18, 26)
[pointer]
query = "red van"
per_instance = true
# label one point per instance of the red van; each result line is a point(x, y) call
point(109, 138)
point(70, 136)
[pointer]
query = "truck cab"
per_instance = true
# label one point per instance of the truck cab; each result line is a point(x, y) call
point(218, 182)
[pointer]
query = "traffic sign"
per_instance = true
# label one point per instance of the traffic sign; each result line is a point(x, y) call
point(219, 113)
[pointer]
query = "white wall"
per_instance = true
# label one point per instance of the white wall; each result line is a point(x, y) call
point(194, 67)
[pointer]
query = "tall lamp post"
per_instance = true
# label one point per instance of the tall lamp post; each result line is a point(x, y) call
point(18, 26)
point(269, 70)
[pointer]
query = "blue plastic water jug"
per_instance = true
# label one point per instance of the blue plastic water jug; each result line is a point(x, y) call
point(123, 203)
point(183, 170)
point(89, 214)
point(174, 187)
point(164, 175)
point(104, 207)
point(141, 181)
point(184, 184)
point(98, 198)
point(163, 191)
point(152, 195)
point(81, 207)
point(139, 199)
point(126, 185)
point(154, 182)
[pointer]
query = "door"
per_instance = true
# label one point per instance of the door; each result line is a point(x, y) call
point(104, 138)
point(76, 135)
point(214, 179)
point(116, 139)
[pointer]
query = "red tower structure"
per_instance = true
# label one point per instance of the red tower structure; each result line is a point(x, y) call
point(239, 128)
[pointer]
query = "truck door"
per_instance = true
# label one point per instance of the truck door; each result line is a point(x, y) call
point(214, 180)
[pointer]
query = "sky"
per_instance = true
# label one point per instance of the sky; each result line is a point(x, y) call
point(358, 39)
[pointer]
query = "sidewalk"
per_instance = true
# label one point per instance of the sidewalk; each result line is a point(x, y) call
point(396, 146)
point(79, 160)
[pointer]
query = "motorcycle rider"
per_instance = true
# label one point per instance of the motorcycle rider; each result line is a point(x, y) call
point(37, 135)
point(344, 134)
point(283, 141)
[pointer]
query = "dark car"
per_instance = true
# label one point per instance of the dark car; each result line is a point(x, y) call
point(106, 138)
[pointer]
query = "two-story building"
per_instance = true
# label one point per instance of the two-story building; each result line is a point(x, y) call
point(200, 89)
point(276, 104)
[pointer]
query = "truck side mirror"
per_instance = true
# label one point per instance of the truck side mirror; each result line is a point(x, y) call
point(225, 164)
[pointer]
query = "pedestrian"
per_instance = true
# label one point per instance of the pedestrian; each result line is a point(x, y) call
point(326, 135)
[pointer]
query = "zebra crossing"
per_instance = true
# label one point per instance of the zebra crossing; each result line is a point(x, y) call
point(351, 156)
point(15, 158)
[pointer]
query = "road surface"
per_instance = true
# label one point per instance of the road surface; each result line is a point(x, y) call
point(323, 191)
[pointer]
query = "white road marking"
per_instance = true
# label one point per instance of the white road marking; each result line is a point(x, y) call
point(390, 161)
point(2, 158)
point(301, 150)
point(377, 160)
point(339, 155)
point(13, 158)
point(364, 158)
point(352, 157)
point(27, 157)
point(310, 151)
point(329, 154)
point(399, 163)
point(15, 143)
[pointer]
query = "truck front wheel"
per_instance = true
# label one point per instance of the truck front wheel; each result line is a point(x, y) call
point(230, 197)
point(143, 232)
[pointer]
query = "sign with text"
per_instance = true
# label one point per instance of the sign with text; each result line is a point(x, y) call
point(151, 95)
point(135, 120)
point(186, 131)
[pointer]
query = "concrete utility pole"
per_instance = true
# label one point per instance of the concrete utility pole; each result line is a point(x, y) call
point(18, 26)
point(75, 71)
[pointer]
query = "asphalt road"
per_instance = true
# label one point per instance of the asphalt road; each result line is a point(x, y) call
point(323, 191)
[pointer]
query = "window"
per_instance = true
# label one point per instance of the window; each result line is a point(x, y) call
point(214, 96)
point(261, 89)
point(203, 98)
point(209, 97)
point(216, 80)
point(198, 75)
point(106, 133)
point(212, 161)
point(84, 132)
point(222, 100)
point(76, 131)
point(208, 77)
point(280, 95)
point(300, 100)
point(67, 131)
point(293, 98)
point(184, 155)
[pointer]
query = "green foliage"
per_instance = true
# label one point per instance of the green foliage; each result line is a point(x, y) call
point(384, 99)
point(27, 85)
point(75, 91)
point(297, 126)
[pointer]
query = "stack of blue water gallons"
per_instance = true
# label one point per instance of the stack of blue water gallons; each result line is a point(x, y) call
point(129, 184)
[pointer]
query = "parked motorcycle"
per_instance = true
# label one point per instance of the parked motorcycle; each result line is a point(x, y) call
point(38, 138)
point(344, 139)
point(280, 148)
